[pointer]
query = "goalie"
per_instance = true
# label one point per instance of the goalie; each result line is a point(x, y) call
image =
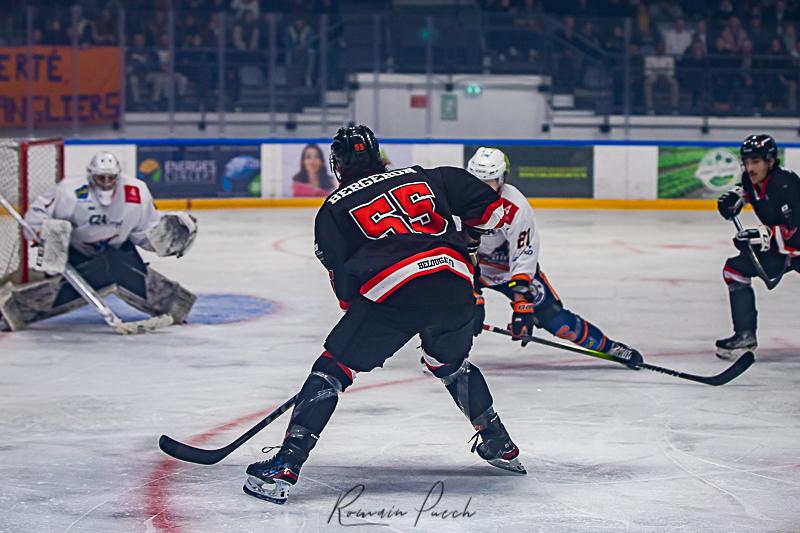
point(95, 223)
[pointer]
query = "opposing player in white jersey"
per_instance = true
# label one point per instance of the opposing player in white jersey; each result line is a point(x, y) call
point(509, 263)
point(95, 222)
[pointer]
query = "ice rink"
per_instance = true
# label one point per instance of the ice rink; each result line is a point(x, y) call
point(607, 449)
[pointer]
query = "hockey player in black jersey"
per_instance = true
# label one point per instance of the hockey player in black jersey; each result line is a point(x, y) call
point(774, 194)
point(399, 268)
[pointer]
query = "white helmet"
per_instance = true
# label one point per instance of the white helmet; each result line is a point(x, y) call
point(102, 173)
point(488, 164)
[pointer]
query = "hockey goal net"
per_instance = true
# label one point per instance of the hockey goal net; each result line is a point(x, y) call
point(28, 168)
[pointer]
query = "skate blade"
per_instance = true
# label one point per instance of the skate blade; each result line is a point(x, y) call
point(736, 353)
point(514, 465)
point(277, 492)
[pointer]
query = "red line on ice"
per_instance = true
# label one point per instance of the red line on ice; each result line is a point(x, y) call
point(157, 504)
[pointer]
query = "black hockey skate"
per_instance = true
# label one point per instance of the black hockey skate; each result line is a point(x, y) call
point(496, 447)
point(737, 344)
point(632, 356)
point(271, 480)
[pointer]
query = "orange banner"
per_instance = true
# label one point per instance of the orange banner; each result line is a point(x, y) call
point(52, 69)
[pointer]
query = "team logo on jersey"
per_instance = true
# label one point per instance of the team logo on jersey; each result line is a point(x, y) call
point(98, 220)
point(82, 192)
point(132, 195)
point(509, 211)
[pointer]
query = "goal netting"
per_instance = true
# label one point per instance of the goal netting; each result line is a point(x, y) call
point(28, 168)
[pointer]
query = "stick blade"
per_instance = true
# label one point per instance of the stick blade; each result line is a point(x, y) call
point(190, 454)
point(144, 326)
point(733, 371)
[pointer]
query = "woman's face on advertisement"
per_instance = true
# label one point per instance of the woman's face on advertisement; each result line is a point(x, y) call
point(312, 161)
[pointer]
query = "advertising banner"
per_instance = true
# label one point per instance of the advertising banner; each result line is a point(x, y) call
point(548, 171)
point(306, 171)
point(176, 171)
point(51, 68)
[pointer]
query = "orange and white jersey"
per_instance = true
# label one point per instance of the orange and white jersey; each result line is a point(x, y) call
point(512, 249)
point(95, 227)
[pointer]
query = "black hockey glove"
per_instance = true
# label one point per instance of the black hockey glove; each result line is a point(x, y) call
point(480, 314)
point(759, 238)
point(730, 204)
point(521, 320)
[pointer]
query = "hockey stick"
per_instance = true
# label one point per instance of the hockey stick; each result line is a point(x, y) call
point(771, 283)
point(731, 373)
point(190, 454)
point(90, 295)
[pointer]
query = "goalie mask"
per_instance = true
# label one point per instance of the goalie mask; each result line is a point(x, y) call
point(103, 173)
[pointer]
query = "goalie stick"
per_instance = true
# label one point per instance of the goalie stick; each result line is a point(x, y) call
point(190, 454)
point(90, 295)
point(731, 373)
point(771, 283)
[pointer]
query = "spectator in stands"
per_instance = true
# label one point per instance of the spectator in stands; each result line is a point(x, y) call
point(723, 65)
point(299, 52)
point(161, 78)
point(616, 41)
point(243, 7)
point(589, 35)
point(693, 74)
point(660, 67)
point(758, 34)
point(677, 39)
point(778, 83)
point(246, 33)
point(724, 10)
point(140, 64)
point(104, 28)
point(312, 179)
point(701, 33)
point(157, 26)
point(55, 31)
point(737, 33)
point(789, 37)
point(665, 11)
point(745, 86)
point(775, 15)
point(643, 30)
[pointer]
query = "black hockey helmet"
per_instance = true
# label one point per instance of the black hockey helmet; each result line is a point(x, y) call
point(761, 146)
point(355, 152)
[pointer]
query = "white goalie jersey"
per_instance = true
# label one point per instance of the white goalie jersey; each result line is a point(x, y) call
point(514, 248)
point(129, 216)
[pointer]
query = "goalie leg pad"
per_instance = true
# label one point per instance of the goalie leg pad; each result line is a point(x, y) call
point(161, 296)
point(24, 304)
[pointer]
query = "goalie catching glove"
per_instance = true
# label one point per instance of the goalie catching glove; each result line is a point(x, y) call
point(174, 234)
point(53, 244)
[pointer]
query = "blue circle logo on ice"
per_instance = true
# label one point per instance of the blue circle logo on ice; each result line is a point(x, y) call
point(208, 309)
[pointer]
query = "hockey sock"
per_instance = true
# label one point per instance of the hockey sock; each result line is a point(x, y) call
point(466, 385)
point(743, 307)
point(317, 400)
point(567, 325)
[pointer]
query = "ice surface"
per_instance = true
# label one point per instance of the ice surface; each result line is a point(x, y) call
point(607, 449)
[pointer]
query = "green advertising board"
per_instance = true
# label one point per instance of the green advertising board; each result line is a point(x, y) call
point(697, 171)
point(548, 171)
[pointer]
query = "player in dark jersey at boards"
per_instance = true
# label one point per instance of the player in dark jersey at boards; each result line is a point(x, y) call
point(774, 194)
point(399, 268)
